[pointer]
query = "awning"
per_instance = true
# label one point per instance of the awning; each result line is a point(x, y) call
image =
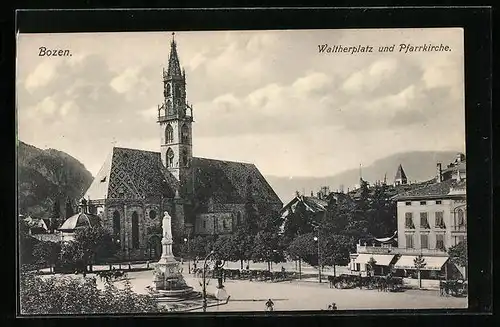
point(380, 259)
point(431, 263)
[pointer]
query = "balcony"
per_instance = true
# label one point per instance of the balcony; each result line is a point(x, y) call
point(384, 249)
point(459, 229)
point(186, 117)
point(418, 251)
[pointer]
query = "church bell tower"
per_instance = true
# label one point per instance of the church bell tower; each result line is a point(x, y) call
point(175, 118)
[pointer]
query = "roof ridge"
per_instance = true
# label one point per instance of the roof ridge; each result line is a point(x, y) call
point(230, 161)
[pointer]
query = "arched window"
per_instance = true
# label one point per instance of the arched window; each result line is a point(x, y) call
point(238, 218)
point(169, 134)
point(116, 223)
point(460, 217)
point(135, 230)
point(178, 91)
point(170, 158)
point(185, 134)
point(169, 90)
point(152, 214)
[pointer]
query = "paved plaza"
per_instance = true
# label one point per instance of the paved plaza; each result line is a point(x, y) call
point(302, 295)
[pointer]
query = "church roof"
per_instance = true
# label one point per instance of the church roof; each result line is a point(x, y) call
point(230, 182)
point(80, 220)
point(140, 174)
point(135, 173)
point(400, 174)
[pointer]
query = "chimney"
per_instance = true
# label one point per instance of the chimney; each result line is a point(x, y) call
point(459, 177)
point(459, 158)
point(319, 195)
point(312, 194)
point(439, 174)
point(297, 194)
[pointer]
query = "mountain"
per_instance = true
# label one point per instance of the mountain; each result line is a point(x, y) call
point(418, 166)
point(45, 176)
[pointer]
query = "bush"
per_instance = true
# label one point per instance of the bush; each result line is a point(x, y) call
point(68, 295)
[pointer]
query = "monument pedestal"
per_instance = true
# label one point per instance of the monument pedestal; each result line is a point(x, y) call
point(169, 284)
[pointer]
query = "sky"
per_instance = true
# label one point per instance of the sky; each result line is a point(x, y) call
point(265, 97)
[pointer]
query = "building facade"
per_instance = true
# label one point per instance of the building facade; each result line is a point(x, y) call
point(203, 196)
point(430, 220)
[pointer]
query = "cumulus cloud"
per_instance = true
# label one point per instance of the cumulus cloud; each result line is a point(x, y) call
point(255, 95)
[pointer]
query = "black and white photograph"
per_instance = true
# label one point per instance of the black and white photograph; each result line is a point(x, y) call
point(241, 171)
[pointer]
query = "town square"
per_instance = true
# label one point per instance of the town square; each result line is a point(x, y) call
point(233, 178)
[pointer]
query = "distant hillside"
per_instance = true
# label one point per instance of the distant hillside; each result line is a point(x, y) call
point(47, 175)
point(418, 166)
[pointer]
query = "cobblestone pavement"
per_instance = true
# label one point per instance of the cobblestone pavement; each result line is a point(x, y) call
point(303, 295)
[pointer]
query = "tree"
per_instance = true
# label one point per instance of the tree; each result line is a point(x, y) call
point(458, 255)
point(298, 222)
point(252, 219)
point(47, 253)
point(69, 208)
point(26, 244)
point(240, 245)
point(267, 248)
point(67, 295)
point(370, 265)
point(336, 249)
point(419, 263)
point(201, 246)
point(303, 248)
point(93, 244)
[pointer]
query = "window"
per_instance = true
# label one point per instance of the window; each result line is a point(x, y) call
point(116, 223)
point(224, 223)
point(169, 134)
point(424, 241)
point(135, 230)
point(358, 267)
point(423, 203)
point(409, 220)
point(409, 241)
point(408, 203)
point(204, 224)
point(438, 202)
point(170, 158)
point(169, 90)
point(238, 218)
point(439, 219)
point(423, 220)
point(184, 157)
point(460, 218)
point(461, 239)
point(152, 214)
point(440, 241)
point(185, 134)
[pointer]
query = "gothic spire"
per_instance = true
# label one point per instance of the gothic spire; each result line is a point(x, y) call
point(174, 67)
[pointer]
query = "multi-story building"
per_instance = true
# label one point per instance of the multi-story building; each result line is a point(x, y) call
point(430, 220)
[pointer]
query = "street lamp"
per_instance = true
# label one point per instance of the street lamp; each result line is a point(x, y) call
point(316, 239)
point(204, 281)
point(188, 255)
point(221, 293)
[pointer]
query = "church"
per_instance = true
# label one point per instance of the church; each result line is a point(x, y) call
point(204, 196)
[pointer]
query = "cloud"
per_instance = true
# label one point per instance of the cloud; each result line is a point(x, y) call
point(43, 74)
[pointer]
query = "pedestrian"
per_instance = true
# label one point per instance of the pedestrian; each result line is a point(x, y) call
point(269, 305)
point(247, 267)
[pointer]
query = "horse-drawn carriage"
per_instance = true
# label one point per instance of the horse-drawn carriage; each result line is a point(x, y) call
point(108, 275)
point(453, 288)
point(381, 283)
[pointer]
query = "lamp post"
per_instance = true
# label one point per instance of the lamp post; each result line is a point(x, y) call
point(188, 255)
point(204, 281)
point(316, 239)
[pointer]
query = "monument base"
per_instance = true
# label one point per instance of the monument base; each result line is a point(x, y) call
point(169, 284)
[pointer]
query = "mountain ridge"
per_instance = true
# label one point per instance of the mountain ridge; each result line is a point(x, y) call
point(418, 165)
point(46, 176)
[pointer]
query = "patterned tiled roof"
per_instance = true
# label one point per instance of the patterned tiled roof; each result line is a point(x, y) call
point(430, 191)
point(312, 204)
point(139, 174)
point(230, 182)
point(135, 173)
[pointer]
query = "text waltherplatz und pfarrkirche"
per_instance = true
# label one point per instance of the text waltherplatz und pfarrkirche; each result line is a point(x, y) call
point(401, 48)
